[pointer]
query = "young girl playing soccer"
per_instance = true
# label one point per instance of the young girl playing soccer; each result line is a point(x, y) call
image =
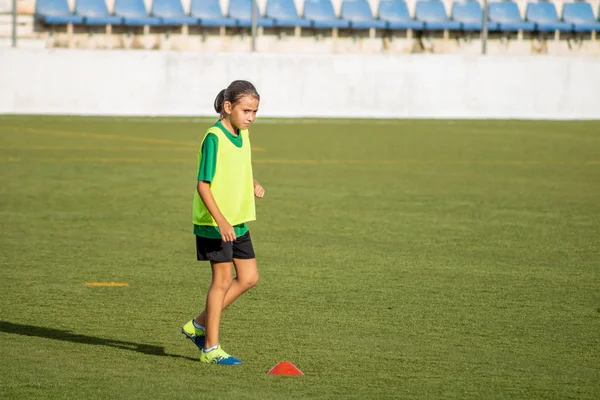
point(223, 204)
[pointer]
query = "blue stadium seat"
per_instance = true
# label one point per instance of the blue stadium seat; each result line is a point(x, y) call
point(95, 12)
point(134, 13)
point(544, 15)
point(321, 15)
point(581, 15)
point(508, 17)
point(55, 12)
point(469, 13)
point(209, 13)
point(171, 12)
point(395, 14)
point(433, 14)
point(359, 13)
point(284, 14)
point(241, 11)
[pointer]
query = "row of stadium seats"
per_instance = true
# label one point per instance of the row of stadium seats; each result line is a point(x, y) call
point(319, 14)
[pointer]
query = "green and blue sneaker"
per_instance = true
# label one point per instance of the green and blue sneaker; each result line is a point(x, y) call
point(218, 356)
point(196, 335)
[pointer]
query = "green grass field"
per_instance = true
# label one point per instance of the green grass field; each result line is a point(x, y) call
point(398, 259)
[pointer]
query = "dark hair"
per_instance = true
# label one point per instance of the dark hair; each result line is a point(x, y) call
point(234, 92)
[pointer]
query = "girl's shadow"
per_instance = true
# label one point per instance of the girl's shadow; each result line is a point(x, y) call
point(67, 336)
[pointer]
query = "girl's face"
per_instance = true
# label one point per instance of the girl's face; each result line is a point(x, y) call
point(243, 113)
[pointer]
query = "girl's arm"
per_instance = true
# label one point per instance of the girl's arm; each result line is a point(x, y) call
point(259, 191)
point(227, 232)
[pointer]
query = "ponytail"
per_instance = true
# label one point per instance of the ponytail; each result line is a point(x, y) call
point(219, 101)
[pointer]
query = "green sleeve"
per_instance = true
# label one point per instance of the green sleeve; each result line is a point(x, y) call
point(208, 161)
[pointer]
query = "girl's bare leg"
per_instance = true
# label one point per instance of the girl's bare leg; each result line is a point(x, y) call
point(220, 285)
point(246, 277)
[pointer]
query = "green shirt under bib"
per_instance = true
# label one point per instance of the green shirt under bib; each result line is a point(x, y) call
point(206, 172)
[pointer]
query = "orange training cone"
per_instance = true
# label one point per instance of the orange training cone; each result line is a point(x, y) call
point(285, 368)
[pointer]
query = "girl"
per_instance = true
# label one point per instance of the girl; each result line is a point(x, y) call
point(223, 204)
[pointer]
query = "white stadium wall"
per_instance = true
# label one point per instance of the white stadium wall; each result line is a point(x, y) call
point(119, 82)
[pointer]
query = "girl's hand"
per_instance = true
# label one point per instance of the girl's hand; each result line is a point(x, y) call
point(227, 232)
point(259, 191)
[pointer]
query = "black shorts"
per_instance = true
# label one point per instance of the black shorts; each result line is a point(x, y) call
point(219, 251)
